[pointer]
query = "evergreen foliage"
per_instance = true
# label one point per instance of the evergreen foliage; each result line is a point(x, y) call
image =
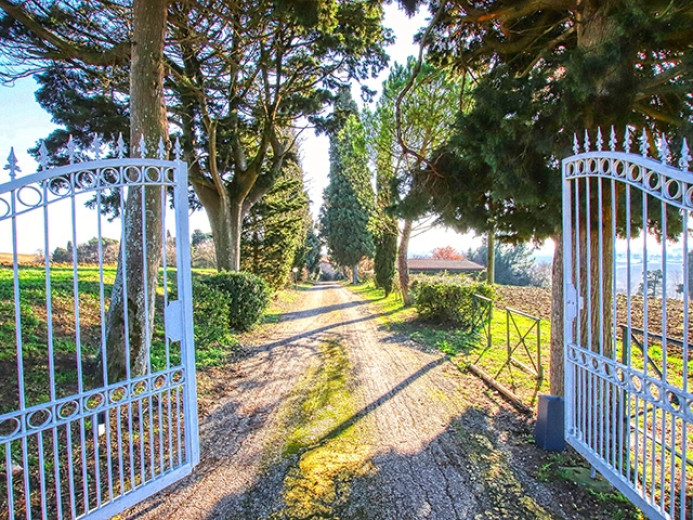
point(386, 254)
point(310, 257)
point(211, 310)
point(514, 263)
point(348, 200)
point(247, 294)
point(380, 128)
point(239, 76)
point(550, 71)
point(275, 229)
point(426, 115)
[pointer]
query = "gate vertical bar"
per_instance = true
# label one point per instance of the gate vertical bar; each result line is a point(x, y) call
point(569, 299)
point(186, 296)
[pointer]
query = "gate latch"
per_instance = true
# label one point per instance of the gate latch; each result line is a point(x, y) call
point(173, 320)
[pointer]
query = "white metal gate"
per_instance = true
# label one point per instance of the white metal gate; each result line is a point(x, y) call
point(74, 443)
point(628, 287)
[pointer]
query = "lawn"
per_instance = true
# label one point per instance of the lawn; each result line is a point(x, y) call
point(77, 331)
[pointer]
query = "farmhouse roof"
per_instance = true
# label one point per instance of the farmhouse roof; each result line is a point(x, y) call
point(429, 264)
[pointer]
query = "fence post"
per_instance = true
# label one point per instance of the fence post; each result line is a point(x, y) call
point(507, 334)
point(539, 364)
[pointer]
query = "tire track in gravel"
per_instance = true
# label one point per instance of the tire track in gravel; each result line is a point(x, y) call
point(427, 431)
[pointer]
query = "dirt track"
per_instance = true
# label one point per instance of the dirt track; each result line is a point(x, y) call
point(330, 417)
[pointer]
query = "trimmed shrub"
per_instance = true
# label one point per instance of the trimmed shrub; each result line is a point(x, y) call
point(248, 296)
point(450, 299)
point(211, 307)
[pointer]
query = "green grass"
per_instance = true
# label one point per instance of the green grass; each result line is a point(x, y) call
point(325, 448)
point(35, 331)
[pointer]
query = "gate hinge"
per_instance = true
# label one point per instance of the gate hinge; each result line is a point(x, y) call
point(173, 318)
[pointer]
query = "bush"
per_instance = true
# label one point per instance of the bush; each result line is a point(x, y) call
point(248, 297)
point(211, 308)
point(449, 299)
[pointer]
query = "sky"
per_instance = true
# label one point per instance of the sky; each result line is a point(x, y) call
point(24, 123)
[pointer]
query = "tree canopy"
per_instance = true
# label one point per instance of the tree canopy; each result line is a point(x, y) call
point(239, 77)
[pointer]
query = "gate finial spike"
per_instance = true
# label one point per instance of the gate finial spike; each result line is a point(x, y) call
point(71, 149)
point(587, 142)
point(177, 150)
point(663, 148)
point(626, 139)
point(644, 143)
point(120, 146)
point(43, 155)
point(12, 164)
point(612, 140)
point(161, 149)
point(576, 145)
point(600, 140)
point(96, 146)
point(143, 147)
point(685, 159)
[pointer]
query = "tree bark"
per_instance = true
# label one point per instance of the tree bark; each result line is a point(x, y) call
point(491, 257)
point(596, 316)
point(556, 378)
point(130, 319)
point(402, 266)
point(355, 274)
point(226, 220)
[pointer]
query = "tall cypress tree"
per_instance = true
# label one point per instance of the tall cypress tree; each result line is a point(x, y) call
point(275, 228)
point(348, 201)
point(381, 125)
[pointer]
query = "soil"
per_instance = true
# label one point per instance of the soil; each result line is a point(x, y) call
point(537, 302)
point(327, 415)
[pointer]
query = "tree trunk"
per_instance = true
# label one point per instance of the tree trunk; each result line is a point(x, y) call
point(355, 274)
point(491, 257)
point(596, 313)
point(596, 316)
point(226, 220)
point(402, 266)
point(594, 28)
point(141, 245)
point(556, 378)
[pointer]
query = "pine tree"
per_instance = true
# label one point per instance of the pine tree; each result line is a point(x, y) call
point(426, 116)
point(553, 68)
point(348, 201)
point(381, 129)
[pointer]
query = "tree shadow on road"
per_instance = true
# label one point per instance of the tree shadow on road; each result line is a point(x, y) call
point(311, 313)
point(315, 333)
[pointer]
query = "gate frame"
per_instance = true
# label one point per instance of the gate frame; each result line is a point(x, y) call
point(572, 300)
point(178, 322)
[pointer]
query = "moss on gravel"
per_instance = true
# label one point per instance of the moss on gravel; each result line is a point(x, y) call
point(501, 494)
point(328, 452)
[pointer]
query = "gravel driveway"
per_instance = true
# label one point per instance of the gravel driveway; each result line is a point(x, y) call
point(329, 416)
